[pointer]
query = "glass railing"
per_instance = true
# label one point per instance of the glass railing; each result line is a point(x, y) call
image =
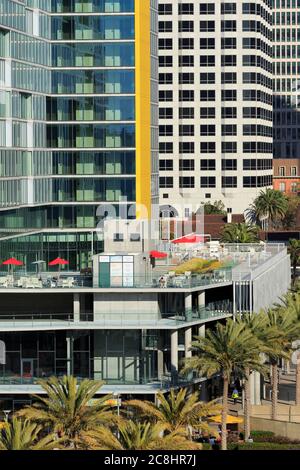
point(170, 280)
point(48, 319)
point(44, 281)
point(16, 319)
point(166, 381)
point(27, 379)
point(149, 280)
point(200, 314)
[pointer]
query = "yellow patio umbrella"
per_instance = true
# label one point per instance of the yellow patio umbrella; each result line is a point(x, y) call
point(230, 419)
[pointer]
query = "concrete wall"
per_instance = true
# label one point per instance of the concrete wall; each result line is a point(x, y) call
point(285, 412)
point(280, 428)
point(125, 303)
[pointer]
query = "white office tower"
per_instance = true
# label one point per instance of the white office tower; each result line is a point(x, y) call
point(215, 75)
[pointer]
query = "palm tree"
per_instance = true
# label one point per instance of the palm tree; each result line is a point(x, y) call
point(239, 233)
point(256, 324)
point(140, 436)
point(178, 411)
point(70, 408)
point(226, 350)
point(282, 330)
point(25, 435)
point(269, 204)
point(294, 251)
point(291, 306)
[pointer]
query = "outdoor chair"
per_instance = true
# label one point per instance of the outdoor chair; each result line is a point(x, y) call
point(22, 282)
point(69, 282)
point(3, 282)
point(32, 283)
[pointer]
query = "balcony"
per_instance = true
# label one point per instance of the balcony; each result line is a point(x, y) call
point(76, 281)
point(171, 281)
point(44, 281)
point(11, 382)
point(122, 320)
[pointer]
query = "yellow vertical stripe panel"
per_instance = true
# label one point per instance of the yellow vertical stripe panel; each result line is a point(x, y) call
point(143, 105)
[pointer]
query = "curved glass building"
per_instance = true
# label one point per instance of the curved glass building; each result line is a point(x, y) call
point(78, 121)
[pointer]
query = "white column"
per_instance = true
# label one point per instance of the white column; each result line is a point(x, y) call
point(201, 299)
point(97, 356)
point(188, 301)
point(255, 388)
point(174, 352)
point(201, 331)
point(69, 340)
point(8, 73)
point(76, 307)
point(188, 342)
point(36, 23)
point(8, 133)
point(160, 356)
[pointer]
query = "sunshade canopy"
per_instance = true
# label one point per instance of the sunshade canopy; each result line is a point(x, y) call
point(157, 254)
point(192, 238)
point(58, 261)
point(230, 419)
point(13, 262)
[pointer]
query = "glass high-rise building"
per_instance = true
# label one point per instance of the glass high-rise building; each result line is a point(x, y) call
point(78, 130)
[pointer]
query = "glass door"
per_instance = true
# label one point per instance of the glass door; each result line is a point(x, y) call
point(27, 368)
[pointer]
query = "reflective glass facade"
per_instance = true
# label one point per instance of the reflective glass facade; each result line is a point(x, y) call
point(70, 88)
point(118, 357)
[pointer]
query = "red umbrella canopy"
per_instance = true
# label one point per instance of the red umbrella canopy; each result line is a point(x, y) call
point(192, 238)
point(58, 261)
point(157, 254)
point(13, 262)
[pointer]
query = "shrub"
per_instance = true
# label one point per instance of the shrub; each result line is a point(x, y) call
point(258, 434)
point(263, 446)
point(206, 446)
point(270, 437)
point(197, 266)
point(233, 437)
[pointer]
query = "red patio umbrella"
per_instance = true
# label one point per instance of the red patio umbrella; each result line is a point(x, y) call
point(157, 254)
point(58, 262)
point(13, 262)
point(191, 238)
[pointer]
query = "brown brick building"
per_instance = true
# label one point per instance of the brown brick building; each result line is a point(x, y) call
point(286, 175)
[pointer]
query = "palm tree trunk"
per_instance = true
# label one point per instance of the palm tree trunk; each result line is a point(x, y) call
point(298, 380)
point(274, 390)
point(247, 406)
point(224, 412)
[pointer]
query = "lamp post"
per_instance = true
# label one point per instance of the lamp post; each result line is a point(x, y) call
point(6, 413)
point(117, 396)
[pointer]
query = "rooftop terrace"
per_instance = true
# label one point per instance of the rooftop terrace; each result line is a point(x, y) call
point(231, 258)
